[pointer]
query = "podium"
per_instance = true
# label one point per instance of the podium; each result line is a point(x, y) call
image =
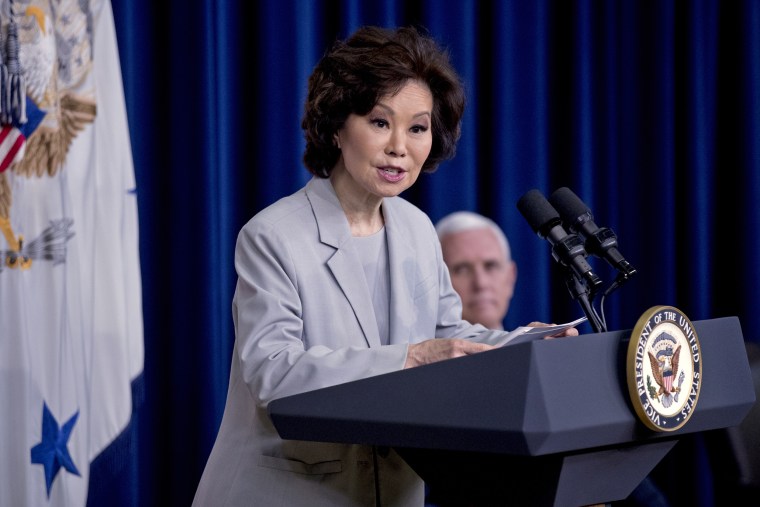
point(548, 422)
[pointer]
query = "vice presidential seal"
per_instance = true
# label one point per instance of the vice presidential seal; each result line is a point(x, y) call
point(664, 368)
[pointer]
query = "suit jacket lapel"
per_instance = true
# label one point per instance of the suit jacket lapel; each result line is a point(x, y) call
point(345, 267)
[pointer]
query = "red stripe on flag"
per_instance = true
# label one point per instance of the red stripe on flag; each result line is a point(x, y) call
point(8, 153)
point(4, 132)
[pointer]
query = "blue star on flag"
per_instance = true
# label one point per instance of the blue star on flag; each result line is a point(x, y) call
point(52, 452)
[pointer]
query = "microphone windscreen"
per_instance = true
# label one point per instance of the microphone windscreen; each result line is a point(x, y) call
point(537, 210)
point(569, 205)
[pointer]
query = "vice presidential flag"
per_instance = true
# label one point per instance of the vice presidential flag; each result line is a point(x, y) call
point(71, 338)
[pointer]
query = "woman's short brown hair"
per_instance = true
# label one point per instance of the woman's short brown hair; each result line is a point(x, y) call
point(375, 62)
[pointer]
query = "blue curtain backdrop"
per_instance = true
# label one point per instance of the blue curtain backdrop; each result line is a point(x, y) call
point(649, 111)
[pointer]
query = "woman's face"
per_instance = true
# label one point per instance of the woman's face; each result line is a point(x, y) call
point(383, 152)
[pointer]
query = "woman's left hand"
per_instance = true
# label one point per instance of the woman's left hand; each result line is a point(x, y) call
point(570, 331)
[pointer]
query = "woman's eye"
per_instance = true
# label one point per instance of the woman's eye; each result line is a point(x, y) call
point(418, 129)
point(379, 122)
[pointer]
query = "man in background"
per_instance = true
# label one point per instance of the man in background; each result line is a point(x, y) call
point(483, 273)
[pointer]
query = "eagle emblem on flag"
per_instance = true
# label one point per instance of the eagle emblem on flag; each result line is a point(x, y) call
point(44, 57)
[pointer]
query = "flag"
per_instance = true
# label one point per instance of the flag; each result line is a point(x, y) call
point(71, 342)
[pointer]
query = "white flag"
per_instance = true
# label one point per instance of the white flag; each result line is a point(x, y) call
point(70, 295)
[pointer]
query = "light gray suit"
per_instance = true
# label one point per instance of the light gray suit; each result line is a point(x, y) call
point(304, 320)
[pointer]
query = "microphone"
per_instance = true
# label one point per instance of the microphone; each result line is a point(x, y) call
point(600, 241)
point(567, 249)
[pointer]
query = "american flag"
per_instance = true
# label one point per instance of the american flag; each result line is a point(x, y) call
point(11, 146)
point(13, 136)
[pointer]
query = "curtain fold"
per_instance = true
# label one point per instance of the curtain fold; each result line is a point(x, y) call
point(649, 111)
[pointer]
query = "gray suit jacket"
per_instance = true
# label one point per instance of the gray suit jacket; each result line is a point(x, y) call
point(304, 320)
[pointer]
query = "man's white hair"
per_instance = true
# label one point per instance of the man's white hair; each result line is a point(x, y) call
point(460, 221)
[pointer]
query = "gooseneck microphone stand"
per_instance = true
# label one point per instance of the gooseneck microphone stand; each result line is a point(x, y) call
point(569, 250)
point(581, 293)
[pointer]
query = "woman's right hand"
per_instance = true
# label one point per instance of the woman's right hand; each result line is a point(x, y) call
point(438, 349)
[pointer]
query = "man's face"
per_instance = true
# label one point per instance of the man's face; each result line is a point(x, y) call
point(480, 274)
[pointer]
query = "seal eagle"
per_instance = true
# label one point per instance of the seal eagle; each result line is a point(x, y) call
point(664, 370)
